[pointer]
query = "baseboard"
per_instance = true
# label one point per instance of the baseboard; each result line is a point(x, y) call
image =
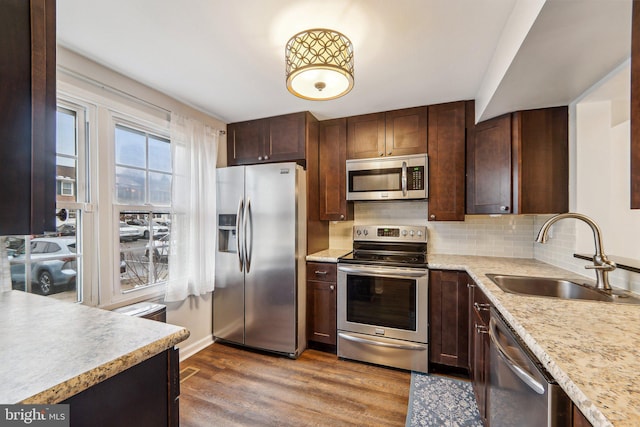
point(191, 349)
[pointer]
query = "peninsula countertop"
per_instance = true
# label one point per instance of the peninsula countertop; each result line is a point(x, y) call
point(52, 350)
point(591, 348)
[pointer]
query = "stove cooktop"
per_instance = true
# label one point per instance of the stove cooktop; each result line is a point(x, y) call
point(396, 246)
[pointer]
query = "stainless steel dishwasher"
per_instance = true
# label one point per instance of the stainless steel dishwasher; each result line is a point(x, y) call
point(521, 392)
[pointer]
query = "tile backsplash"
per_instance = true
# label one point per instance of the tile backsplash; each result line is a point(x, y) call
point(499, 235)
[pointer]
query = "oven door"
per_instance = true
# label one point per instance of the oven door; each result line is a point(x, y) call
point(382, 316)
point(388, 302)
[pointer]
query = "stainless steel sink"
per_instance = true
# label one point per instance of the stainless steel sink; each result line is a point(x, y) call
point(559, 288)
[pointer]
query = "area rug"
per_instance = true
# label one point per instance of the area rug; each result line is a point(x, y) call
point(441, 401)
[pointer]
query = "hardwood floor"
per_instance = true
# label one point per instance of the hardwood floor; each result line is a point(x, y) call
point(239, 387)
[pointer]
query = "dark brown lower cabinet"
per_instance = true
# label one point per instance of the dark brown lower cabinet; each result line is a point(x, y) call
point(448, 318)
point(321, 302)
point(579, 420)
point(479, 312)
point(144, 395)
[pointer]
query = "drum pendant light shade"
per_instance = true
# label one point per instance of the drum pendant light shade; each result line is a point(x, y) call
point(319, 64)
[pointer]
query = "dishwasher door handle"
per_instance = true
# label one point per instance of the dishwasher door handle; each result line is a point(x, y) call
point(512, 364)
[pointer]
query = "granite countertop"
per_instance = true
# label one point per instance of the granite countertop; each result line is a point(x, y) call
point(51, 350)
point(328, 255)
point(591, 348)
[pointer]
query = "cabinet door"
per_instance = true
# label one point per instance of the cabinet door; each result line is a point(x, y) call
point(365, 136)
point(479, 309)
point(28, 116)
point(446, 162)
point(245, 142)
point(448, 318)
point(489, 167)
point(286, 138)
point(540, 143)
point(321, 302)
point(406, 131)
point(333, 155)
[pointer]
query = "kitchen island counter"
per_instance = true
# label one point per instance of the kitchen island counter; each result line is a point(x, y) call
point(52, 350)
point(591, 348)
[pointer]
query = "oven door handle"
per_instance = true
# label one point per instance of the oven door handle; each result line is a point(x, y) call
point(381, 344)
point(511, 363)
point(380, 272)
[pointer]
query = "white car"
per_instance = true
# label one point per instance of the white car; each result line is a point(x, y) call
point(142, 225)
point(128, 233)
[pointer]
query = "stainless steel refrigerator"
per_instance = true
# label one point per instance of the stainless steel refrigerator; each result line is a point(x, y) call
point(259, 298)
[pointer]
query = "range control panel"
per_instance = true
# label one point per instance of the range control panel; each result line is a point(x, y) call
point(390, 233)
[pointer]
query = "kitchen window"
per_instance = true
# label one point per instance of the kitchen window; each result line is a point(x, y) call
point(142, 199)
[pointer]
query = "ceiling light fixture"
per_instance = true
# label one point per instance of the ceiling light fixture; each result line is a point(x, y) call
point(319, 64)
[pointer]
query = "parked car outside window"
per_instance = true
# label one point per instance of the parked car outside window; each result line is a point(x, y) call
point(53, 265)
point(128, 233)
point(142, 225)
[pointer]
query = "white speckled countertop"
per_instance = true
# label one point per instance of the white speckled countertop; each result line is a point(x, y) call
point(328, 255)
point(51, 350)
point(592, 349)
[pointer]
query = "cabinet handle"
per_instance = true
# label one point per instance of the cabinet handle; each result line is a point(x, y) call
point(389, 153)
point(381, 154)
point(259, 157)
point(471, 285)
point(481, 307)
point(481, 329)
point(332, 287)
point(266, 157)
point(341, 216)
point(504, 208)
point(321, 273)
point(432, 216)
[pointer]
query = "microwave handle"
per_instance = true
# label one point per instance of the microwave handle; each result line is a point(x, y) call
point(404, 178)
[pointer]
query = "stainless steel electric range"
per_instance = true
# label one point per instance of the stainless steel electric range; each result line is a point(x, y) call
point(382, 297)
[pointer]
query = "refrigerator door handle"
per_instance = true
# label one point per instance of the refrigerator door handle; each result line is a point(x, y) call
point(248, 246)
point(239, 216)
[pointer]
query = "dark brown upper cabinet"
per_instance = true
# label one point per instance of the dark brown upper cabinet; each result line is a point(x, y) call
point(446, 161)
point(635, 106)
point(274, 139)
point(332, 167)
point(518, 163)
point(28, 116)
point(391, 133)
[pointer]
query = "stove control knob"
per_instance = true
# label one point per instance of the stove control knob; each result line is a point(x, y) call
point(358, 232)
point(411, 233)
point(404, 232)
point(366, 232)
point(419, 233)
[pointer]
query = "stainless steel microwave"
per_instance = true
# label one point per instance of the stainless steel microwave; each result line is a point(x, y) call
point(388, 178)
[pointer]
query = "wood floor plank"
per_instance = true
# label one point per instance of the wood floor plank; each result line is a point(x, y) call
point(239, 387)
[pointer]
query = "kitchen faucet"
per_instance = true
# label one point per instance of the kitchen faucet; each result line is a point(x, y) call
point(601, 264)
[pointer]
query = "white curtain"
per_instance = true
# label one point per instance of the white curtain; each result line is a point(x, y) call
point(194, 148)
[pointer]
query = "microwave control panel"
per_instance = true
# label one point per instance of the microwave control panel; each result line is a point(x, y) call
point(415, 178)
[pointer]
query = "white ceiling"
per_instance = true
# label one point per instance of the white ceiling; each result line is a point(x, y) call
point(226, 57)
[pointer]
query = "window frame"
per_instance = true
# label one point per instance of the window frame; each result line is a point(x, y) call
point(100, 240)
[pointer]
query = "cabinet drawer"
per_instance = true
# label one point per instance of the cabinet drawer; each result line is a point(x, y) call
point(322, 271)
